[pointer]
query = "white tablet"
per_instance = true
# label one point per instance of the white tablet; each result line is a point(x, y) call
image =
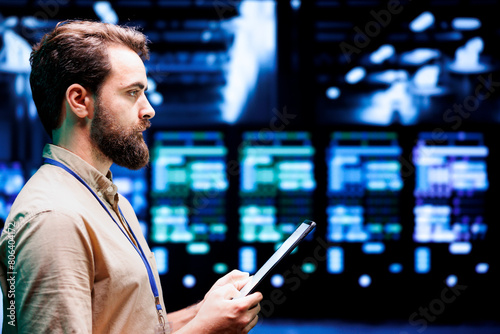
point(285, 249)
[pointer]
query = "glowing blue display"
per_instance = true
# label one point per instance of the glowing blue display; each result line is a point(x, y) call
point(189, 185)
point(363, 174)
point(277, 181)
point(451, 179)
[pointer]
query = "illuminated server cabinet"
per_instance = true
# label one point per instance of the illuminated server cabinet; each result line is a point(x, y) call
point(363, 202)
point(450, 189)
point(277, 182)
point(188, 204)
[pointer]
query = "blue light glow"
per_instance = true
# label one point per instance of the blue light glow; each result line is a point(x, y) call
point(308, 267)
point(482, 268)
point(395, 268)
point(419, 56)
point(373, 248)
point(11, 183)
point(333, 93)
point(189, 281)
point(384, 105)
point(15, 52)
point(161, 258)
point(451, 280)
point(198, 248)
point(248, 259)
point(355, 75)
point(155, 98)
point(426, 79)
point(335, 264)
point(460, 248)
point(383, 53)
point(467, 57)
point(220, 268)
point(277, 281)
point(105, 12)
point(422, 22)
point(253, 48)
point(365, 281)
point(466, 23)
point(144, 228)
point(422, 260)
point(295, 4)
point(389, 76)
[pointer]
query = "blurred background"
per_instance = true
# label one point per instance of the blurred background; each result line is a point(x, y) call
point(378, 120)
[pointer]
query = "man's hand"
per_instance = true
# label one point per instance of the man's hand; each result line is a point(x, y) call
point(220, 313)
point(235, 277)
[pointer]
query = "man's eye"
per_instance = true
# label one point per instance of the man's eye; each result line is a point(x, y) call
point(133, 93)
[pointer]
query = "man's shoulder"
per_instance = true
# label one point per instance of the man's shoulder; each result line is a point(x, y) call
point(45, 193)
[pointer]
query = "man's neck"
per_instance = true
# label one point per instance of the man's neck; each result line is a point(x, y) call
point(86, 150)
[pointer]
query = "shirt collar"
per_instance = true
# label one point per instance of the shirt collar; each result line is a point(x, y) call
point(101, 184)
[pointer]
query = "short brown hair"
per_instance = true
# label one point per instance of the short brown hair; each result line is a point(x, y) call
point(75, 52)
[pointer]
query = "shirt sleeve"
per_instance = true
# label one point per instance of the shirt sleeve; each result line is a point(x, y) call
point(54, 275)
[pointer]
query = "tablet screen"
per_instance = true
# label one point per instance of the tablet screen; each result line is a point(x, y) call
point(285, 249)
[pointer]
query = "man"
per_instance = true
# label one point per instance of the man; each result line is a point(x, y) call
point(73, 259)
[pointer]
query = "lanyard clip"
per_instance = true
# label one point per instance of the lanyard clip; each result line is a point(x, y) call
point(160, 329)
point(161, 319)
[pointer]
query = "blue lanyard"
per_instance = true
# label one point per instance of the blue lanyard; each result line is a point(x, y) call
point(138, 248)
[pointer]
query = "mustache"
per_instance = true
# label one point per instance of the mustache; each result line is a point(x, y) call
point(143, 125)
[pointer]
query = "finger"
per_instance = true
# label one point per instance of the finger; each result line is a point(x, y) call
point(255, 309)
point(227, 291)
point(251, 324)
point(233, 277)
point(253, 299)
point(241, 283)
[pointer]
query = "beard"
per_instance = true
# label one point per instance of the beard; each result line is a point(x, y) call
point(125, 146)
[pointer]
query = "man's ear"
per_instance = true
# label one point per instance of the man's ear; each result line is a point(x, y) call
point(80, 100)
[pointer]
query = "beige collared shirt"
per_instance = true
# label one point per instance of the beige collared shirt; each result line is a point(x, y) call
point(65, 266)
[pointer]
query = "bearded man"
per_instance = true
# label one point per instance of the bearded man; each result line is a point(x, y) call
point(72, 255)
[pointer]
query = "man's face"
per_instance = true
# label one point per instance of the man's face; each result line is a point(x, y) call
point(122, 111)
point(123, 144)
